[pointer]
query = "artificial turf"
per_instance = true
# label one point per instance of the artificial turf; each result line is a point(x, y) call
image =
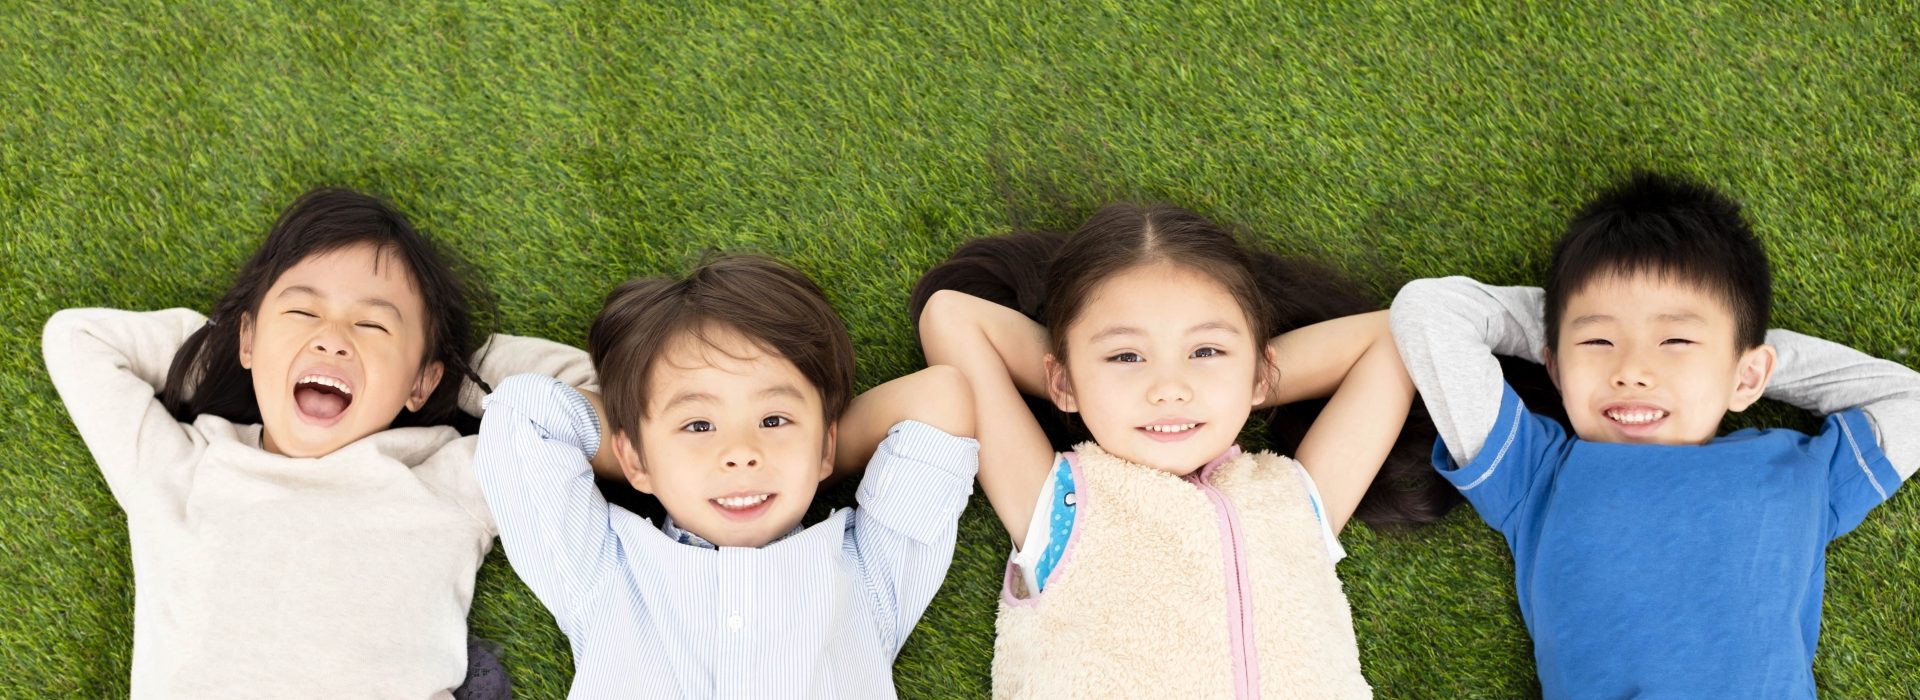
point(145, 147)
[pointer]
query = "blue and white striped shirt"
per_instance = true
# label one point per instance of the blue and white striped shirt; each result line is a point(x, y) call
point(821, 613)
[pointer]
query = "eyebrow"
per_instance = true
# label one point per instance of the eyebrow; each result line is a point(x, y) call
point(1683, 317)
point(369, 301)
point(783, 390)
point(1130, 330)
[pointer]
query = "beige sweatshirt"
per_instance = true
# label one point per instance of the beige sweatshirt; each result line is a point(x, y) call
point(261, 576)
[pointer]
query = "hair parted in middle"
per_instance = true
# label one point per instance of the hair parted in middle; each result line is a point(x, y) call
point(1050, 277)
point(771, 304)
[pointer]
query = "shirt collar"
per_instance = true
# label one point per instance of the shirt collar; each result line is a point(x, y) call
point(674, 532)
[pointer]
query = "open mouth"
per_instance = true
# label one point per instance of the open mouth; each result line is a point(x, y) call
point(322, 399)
point(743, 506)
point(1636, 420)
point(1170, 432)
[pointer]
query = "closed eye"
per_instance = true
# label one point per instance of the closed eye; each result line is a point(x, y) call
point(698, 426)
point(1598, 342)
point(375, 326)
point(1126, 357)
point(1677, 341)
point(302, 312)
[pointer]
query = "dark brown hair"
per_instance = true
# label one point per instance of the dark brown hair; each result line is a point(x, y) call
point(206, 376)
point(773, 305)
point(1049, 277)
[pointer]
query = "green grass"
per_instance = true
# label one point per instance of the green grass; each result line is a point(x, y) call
point(145, 148)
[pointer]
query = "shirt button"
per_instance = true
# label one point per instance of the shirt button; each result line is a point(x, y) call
point(734, 622)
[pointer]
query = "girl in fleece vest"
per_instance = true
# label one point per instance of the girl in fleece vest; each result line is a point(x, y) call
point(1159, 556)
point(302, 514)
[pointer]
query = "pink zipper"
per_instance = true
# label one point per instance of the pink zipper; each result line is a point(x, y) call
point(1246, 669)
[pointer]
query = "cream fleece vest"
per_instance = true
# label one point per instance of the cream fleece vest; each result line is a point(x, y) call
point(1216, 585)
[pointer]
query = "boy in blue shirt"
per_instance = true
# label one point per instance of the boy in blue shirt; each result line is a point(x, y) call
point(1652, 558)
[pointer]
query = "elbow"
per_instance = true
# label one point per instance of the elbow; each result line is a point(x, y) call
point(945, 311)
point(948, 403)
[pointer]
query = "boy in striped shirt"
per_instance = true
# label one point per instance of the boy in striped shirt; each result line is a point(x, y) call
point(728, 396)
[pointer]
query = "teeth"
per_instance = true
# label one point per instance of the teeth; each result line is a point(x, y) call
point(1179, 428)
point(326, 381)
point(742, 501)
point(1636, 417)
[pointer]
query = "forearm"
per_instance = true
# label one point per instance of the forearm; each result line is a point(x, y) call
point(1448, 331)
point(938, 396)
point(1827, 377)
point(1356, 430)
point(507, 355)
point(1311, 362)
point(957, 330)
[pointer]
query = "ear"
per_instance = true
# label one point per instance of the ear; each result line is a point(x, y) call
point(826, 454)
point(1751, 376)
point(1059, 385)
point(630, 465)
point(424, 385)
point(246, 341)
point(1553, 367)
point(1265, 381)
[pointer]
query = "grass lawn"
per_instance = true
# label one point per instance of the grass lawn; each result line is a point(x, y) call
point(146, 147)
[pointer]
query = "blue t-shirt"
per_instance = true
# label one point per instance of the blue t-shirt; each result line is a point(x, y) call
point(1672, 571)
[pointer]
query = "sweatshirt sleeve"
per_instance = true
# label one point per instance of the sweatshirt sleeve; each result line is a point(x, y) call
point(108, 366)
point(1826, 377)
point(507, 355)
point(1448, 332)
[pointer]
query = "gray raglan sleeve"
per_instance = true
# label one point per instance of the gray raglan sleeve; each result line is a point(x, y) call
point(1826, 377)
point(1448, 331)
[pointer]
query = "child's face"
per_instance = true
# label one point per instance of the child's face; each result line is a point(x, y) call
point(1645, 359)
point(734, 443)
point(1161, 367)
point(336, 350)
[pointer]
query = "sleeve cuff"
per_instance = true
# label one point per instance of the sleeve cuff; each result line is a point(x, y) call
point(557, 410)
point(1494, 453)
point(919, 480)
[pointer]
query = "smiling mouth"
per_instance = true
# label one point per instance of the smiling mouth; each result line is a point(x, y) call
point(1170, 432)
point(744, 507)
point(322, 399)
point(1636, 416)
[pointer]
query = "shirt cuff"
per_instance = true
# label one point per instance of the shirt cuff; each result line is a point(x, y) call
point(919, 480)
point(558, 411)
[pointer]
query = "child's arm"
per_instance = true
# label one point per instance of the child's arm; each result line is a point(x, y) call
point(937, 396)
point(1448, 331)
point(536, 438)
point(108, 366)
point(1353, 359)
point(999, 352)
point(1826, 377)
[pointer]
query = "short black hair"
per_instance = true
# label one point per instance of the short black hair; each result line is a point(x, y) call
point(1669, 226)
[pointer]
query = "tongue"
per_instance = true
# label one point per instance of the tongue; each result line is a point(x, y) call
point(319, 404)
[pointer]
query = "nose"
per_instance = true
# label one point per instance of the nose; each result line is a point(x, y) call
point(743, 453)
point(1633, 372)
point(332, 342)
point(1169, 388)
